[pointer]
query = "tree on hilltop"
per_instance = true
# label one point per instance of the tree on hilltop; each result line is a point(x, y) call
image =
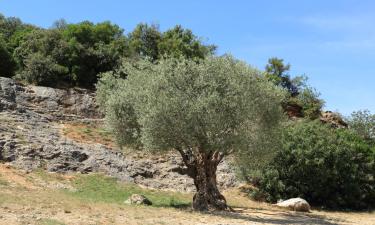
point(277, 72)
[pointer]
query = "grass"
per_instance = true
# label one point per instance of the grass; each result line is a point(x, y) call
point(21, 138)
point(5, 198)
point(50, 222)
point(3, 182)
point(47, 176)
point(88, 133)
point(98, 188)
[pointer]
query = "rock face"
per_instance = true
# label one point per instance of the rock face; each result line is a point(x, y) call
point(333, 119)
point(58, 103)
point(137, 199)
point(7, 93)
point(295, 204)
point(293, 110)
point(30, 123)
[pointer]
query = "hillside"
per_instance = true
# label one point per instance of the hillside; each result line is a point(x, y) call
point(38, 126)
point(56, 160)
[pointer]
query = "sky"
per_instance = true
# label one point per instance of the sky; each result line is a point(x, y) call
point(330, 41)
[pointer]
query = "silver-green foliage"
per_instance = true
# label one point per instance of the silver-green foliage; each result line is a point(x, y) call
point(218, 104)
point(363, 123)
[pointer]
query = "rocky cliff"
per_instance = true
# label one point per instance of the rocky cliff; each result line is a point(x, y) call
point(31, 118)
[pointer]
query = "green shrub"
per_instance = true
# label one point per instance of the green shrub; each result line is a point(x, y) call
point(327, 167)
point(7, 64)
point(42, 70)
point(310, 103)
point(362, 122)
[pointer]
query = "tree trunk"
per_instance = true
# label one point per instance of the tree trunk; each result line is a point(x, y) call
point(202, 168)
point(207, 196)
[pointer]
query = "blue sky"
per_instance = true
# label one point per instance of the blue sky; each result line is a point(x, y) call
point(330, 41)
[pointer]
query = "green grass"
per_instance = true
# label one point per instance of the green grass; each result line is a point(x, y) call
point(87, 130)
point(48, 176)
point(3, 182)
point(98, 188)
point(50, 222)
point(107, 135)
point(6, 198)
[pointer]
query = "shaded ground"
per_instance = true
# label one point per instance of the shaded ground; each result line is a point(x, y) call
point(45, 198)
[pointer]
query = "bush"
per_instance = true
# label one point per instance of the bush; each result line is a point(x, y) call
point(363, 123)
point(42, 70)
point(310, 102)
point(327, 167)
point(7, 64)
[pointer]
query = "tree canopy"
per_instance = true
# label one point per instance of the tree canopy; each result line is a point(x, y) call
point(277, 72)
point(144, 40)
point(83, 50)
point(179, 42)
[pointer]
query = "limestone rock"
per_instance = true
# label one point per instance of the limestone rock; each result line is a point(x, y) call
point(296, 204)
point(138, 199)
point(333, 119)
point(55, 102)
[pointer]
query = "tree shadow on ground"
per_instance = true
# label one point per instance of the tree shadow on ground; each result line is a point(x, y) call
point(256, 215)
point(182, 206)
point(266, 216)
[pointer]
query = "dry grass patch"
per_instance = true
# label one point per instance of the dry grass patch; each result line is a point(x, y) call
point(88, 133)
point(13, 177)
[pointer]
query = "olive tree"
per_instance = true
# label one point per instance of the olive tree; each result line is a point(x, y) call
point(203, 110)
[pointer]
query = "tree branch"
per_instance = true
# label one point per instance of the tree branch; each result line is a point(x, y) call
point(188, 159)
point(217, 157)
point(184, 156)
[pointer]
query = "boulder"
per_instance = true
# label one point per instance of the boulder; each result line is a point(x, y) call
point(296, 204)
point(138, 199)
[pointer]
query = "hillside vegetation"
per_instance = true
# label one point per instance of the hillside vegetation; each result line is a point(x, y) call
point(74, 54)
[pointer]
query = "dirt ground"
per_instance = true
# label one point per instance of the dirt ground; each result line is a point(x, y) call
point(26, 198)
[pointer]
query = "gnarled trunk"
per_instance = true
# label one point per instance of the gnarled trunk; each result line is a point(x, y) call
point(208, 196)
point(202, 168)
